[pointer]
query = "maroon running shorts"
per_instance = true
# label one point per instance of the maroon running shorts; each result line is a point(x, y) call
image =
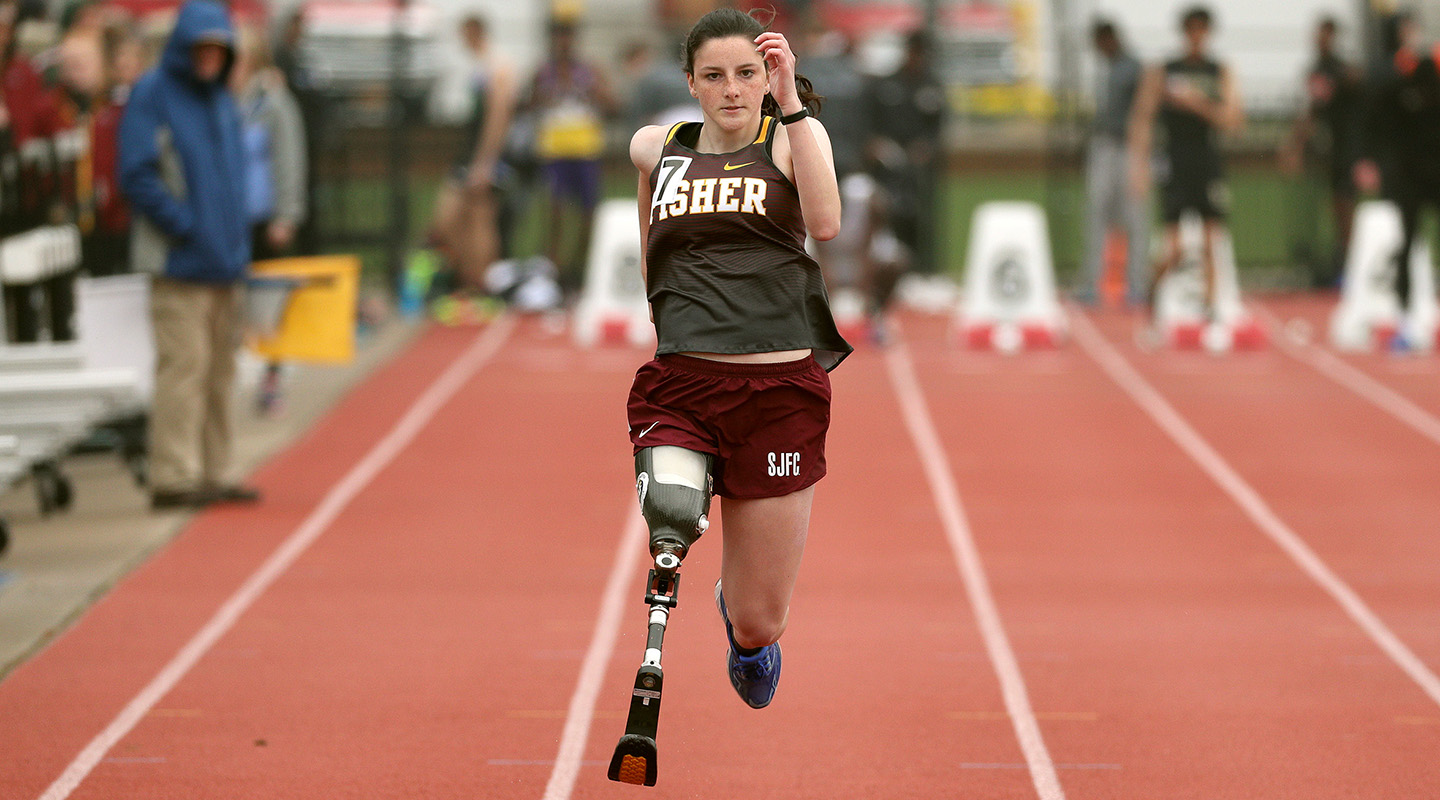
point(764, 423)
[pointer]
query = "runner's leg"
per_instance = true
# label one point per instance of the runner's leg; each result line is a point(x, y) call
point(764, 539)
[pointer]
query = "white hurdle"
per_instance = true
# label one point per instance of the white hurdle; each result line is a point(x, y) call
point(1009, 301)
point(1180, 310)
point(613, 308)
point(1369, 313)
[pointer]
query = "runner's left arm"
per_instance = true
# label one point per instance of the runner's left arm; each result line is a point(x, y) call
point(812, 164)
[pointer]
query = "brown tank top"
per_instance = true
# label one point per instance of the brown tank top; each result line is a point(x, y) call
point(725, 257)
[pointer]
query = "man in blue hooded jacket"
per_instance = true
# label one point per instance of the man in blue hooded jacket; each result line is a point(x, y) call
point(182, 168)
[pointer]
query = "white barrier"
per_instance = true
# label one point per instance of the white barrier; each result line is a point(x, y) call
point(113, 328)
point(1009, 300)
point(1180, 311)
point(1369, 312)
point(613, 307)
point(39, 253)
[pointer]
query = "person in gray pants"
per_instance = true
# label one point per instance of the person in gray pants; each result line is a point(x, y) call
point(1109, 201)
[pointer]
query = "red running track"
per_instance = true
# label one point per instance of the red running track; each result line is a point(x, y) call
point(429, 642)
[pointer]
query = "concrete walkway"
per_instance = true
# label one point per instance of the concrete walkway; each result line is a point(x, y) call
point(58, 565)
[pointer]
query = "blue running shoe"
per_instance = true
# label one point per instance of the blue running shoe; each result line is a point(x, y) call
point(754, 677)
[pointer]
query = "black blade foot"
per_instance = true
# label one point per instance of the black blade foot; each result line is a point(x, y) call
point(634, 760)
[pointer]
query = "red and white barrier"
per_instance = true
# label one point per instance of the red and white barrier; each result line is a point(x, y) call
point(1180, 313)
point(613, 309)
point(1009, 301)
point(1369, 314)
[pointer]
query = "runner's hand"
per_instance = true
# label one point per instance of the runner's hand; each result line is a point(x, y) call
point(780, 62)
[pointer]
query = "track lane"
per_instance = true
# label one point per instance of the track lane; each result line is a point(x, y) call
point(471, 571)
point(381, 665)
point(54, 703)
point(393, 659)
point(1416, 378)
point(1176, 661)
point(1166, 644)
point(1358, 485)
point(882, 646)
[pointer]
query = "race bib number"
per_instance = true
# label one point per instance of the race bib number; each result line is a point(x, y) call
point(667, 186)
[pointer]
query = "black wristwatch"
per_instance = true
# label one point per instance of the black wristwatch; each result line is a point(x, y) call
point(790, 119)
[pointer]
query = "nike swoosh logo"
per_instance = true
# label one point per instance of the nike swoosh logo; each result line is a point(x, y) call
point(729, 166)
point(647, 430)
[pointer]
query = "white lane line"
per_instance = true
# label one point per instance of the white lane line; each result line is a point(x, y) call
point(1354, 379)
point(1180, 431)
point(486, 345)
point(568, 759)
point(967, 557)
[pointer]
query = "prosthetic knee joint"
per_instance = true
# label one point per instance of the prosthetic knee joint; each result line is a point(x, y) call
point(674, 485)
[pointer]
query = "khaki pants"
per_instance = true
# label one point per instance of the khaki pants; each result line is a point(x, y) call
point(196, 331)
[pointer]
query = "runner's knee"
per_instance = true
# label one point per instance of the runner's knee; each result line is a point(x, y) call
point(758, 627)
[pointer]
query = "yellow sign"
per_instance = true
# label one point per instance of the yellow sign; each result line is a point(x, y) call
point(318, 320)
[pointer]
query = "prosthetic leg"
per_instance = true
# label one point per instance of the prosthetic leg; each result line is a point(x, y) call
point(674, 485)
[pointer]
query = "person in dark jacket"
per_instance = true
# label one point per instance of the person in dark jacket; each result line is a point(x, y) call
point(1401, 152)
point(1322, 147)
point(182, 168)
point(907, 116)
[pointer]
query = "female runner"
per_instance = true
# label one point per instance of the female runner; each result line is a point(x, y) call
point(746, 337)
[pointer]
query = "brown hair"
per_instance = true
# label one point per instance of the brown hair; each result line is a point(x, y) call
point(725, 22)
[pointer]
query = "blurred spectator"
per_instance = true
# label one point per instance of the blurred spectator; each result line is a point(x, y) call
point(570, 99)
point(182, 165)
point(636, 60)
point(82, 21)
point(1323, 141)
point(1109, 201)
point(105, 250)
point(289, 59)
point(907, 117)
point(853, 283)
point(29, 110)
point(830, 55)
point(1196, 100)
point(1403, 129)
point(31, 114)
point(81, 76)
point(656, 95)
point(467, 227)
point(275, 169)
point(274, 140)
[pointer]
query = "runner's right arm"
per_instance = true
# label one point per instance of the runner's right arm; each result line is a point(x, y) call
point(645, 148)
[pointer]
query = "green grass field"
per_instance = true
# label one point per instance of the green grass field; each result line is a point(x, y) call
point(1268, 215)
point(1272, 218)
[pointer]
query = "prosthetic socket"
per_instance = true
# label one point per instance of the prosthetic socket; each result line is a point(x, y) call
point(674, 485)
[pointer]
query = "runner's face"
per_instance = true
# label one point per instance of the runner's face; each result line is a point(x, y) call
point(729, 81)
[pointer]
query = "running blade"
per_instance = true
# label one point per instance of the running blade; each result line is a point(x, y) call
point(634, 760)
